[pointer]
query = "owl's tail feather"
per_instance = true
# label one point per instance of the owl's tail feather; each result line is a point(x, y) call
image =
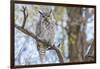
point(42, 52)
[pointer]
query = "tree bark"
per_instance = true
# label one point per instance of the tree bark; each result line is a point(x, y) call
point(74, 34)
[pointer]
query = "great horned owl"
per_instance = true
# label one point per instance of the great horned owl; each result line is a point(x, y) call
point(45, 31)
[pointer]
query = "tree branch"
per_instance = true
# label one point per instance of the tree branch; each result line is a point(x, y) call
point(90, 48)
point(28, 33)
point(46, 43)
point(25, 16)
point(58, 53)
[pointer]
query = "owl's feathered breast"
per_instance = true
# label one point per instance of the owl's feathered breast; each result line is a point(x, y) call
point(46, 31)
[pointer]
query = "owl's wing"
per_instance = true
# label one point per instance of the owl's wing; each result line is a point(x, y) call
point(38, 29)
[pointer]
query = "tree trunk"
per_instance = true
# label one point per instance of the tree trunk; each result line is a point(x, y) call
point(74, 34)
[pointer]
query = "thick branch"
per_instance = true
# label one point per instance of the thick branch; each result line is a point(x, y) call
point(28, 33)
point(46, 43)
point(58, 53)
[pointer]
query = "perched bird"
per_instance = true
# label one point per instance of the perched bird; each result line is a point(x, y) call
point(45, 31)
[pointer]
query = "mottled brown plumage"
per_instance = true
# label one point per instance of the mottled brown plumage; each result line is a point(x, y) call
point(45, 31)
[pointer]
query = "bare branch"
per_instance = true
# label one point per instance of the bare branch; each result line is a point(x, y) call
point(58, 53)
point(25, 16)
point(45, 43)
point(28, 33)
point(90, 48)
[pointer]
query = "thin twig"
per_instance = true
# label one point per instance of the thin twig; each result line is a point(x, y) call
point(25, 16)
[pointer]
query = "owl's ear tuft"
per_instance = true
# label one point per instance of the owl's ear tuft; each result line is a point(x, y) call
point(40, 12)
point(49, 13)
